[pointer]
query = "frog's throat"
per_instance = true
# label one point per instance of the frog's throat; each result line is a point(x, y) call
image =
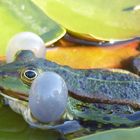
point(14, 94)
point(96, 99)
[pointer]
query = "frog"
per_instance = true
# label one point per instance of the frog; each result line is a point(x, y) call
point(105, 96)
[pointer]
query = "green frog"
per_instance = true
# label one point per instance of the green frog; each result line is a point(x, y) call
point(105, 96)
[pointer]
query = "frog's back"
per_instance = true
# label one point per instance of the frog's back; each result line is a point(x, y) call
point(100, 84)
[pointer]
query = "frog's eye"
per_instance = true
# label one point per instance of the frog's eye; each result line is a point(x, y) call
point(30, 74)
point(27, 76)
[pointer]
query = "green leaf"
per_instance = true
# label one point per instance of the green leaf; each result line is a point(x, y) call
point(106, 20)
point(18, 16)
point(118, 134)
point(12, 126)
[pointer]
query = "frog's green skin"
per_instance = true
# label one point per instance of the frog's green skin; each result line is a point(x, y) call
point(105, 87)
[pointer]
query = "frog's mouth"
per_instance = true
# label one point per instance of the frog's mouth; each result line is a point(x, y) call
point(14, 94)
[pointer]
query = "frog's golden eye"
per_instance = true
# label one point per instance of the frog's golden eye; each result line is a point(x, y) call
point(27, 76)
point(30, 74)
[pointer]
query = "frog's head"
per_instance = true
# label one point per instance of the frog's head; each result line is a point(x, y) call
point(17, 77)
point(16, 82)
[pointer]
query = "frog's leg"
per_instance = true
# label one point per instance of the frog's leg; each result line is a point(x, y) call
point(65, 128)
point(17, 106)
point(5, 101)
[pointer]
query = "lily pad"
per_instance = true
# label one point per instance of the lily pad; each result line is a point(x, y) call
point(105, 20)
point(12, 126)
point(129, 134)
point(119, 56)
point(18, 16)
